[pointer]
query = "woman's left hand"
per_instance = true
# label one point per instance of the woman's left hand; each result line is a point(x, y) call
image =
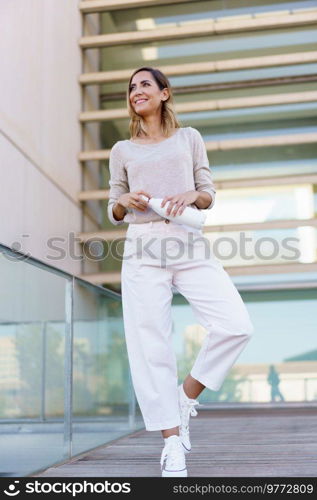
point(179, 202)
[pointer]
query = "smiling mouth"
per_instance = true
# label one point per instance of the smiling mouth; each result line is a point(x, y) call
point(140, 101)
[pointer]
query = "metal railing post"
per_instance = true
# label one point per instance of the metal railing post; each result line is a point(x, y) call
point(43, 375)
point(132, 404)
point(68, 367)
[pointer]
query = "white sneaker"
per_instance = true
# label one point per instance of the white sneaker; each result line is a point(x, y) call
point(186, 410)
point(174, 457)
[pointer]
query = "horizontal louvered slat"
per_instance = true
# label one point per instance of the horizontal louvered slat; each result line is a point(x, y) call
point(205, 67)
point(115, 277)
point(103, 194)
point(210, 105)
point(88, 7)
point(225, 145)
point(208, 27)
point(109, 235)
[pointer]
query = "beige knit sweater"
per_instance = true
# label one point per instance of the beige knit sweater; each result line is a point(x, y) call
point(175, 165)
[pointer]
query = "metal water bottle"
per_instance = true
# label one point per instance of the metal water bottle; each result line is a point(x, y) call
point(190, 216)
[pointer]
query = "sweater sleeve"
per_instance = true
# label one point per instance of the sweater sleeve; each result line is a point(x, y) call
point(118, 182)
point(202, 173)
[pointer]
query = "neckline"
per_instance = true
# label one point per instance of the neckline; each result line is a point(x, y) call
point(155, 143)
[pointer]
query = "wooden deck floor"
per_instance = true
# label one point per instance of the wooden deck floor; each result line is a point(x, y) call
point(236, 442)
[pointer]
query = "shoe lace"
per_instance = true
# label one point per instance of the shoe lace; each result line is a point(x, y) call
point(174, 454)
point(188, 409)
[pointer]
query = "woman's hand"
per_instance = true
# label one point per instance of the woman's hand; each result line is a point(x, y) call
point(134, 200)
point(179, 202)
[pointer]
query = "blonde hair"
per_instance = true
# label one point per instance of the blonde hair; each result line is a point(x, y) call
point(169, 120)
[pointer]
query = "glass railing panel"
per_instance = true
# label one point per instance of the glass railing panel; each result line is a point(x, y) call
point(102, 393)
point(278, 364)
point(32, 342)
point(64, 376)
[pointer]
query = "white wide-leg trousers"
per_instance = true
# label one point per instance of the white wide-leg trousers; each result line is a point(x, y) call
point(156, 256)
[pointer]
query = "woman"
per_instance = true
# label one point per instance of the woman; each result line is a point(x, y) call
point(164, 160)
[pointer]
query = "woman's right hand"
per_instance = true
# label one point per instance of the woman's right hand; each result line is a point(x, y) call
point(134, 200)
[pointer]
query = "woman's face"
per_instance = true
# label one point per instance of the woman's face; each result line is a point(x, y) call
point(145, 95)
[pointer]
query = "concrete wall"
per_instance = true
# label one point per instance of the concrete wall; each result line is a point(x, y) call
point(40, 135)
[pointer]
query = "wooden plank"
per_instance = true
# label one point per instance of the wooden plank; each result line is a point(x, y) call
point(207, 27)
point(225, 442)
point(205, 67)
